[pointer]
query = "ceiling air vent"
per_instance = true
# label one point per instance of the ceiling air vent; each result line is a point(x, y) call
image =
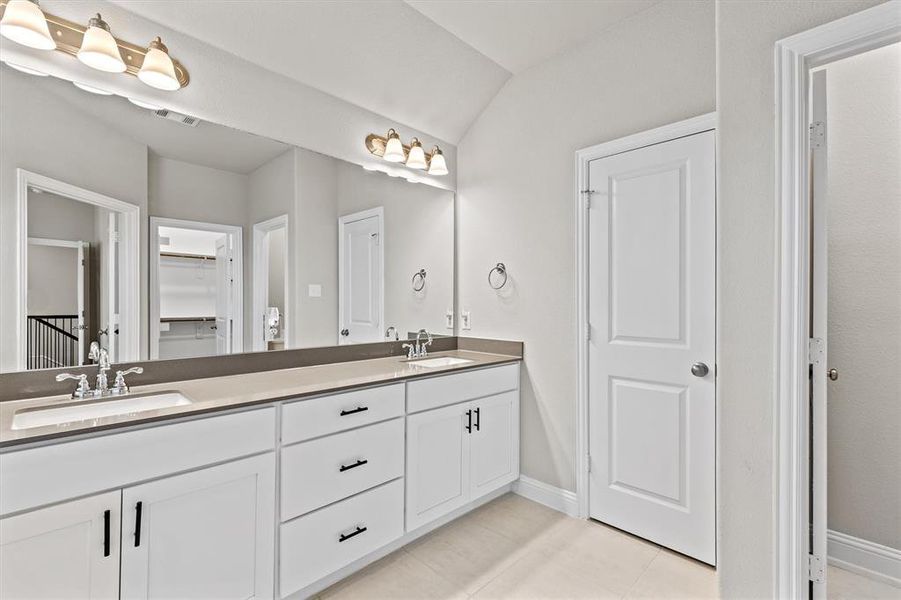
point(177, 117)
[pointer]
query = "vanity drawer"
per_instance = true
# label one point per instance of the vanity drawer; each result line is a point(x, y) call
point(425, 394)
point(330, 468)
point(307, 419)
point(322, 542)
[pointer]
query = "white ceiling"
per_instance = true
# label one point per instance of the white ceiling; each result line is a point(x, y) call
point(430, 64)
point(519, 34)
point(208, 144)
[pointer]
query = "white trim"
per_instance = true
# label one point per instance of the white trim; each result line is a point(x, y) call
point(236, 233)
point(129, 342)
point(260, 276)
point(559, 499)
point(866, 558)
point(794, 57)
point(584, 156)
point(379, 212)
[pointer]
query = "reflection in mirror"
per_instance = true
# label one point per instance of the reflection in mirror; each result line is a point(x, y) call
point(162, 236)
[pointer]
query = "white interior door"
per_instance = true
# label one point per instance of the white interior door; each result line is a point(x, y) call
point(81, 267)
point(652, 271)
point(223, 296)
point(361, 286)
point(819, 295)
point(110, 313)
point(69, 550)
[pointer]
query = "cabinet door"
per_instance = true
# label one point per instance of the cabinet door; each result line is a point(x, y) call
point(68, 551)
point(495, 442)
point(205, 534)
point(437, 463)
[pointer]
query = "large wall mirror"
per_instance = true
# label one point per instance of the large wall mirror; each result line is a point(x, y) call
point(161, 236)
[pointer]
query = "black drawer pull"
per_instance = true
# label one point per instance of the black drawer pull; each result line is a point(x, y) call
point(106, 532)
point(478, 422)
point(139, 510)
point(359, 463)
point(469, 421)
point(354, 411)
point(346, 536)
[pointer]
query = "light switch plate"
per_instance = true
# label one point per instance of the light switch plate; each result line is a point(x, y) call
point(449, 319)
point(314, 290)
point(465, 320)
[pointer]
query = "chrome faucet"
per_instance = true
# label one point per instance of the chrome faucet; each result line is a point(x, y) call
point(392, 330)
point(421, 349)
point(84, 388)
point(120, 387)
point(101, 357)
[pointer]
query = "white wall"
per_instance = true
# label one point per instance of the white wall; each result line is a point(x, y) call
point(516, 196)
point(181, 190)
point(40, 133)
point(746, 37)
point(864, 338)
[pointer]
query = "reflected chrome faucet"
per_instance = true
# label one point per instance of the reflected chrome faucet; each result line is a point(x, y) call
point(101, 357)
point(421, 349)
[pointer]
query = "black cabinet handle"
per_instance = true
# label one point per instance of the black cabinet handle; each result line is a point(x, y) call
point(469, 421)
point(478, 422)
point(346, 536)
point(353, 411)
point(359, 463)
point(139, 510)
point(106, 532)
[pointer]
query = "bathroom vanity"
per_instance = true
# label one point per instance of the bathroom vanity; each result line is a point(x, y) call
point(278, 492)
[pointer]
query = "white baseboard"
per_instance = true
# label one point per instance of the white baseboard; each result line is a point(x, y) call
point(871, 560)
point(553, 497)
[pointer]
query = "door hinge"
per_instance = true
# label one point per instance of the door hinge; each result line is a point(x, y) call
point(816, 570)
point(114, 236)
point(817, 134)
point(587, 195)
point(588, 460)
point(816, 350)
point(588, 332)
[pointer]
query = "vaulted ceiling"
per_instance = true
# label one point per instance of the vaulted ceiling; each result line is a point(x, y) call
point(431, 64)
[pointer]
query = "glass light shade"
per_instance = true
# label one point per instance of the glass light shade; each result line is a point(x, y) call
point(99, 49)
point(90, 88)
point(416, 159)
point(143, 104)
point(437, 166)
point(27, 70)
point(394, 149)
point(24, 23)
point(158, 71)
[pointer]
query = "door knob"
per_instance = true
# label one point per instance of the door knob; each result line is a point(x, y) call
point(833, 374)
point(699, 369)
point(345, 332)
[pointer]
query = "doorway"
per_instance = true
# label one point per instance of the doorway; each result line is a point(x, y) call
point(361, 284)
point(196, 289)
point(271, 288)
point(647, 251)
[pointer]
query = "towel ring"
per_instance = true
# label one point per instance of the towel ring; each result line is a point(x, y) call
point(501, 269)
point(419, 280)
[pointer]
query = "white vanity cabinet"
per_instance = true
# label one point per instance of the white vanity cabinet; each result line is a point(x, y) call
point(204, 534)
point(460, 452)
point(69, 550)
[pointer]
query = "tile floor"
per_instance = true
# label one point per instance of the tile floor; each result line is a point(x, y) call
point(844, 585)
point(515, 548)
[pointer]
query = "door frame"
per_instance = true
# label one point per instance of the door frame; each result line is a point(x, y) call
point(129, 270)
point(260, 259)
point(236, 232)
point(795, 56)
point(379, 212)
point(582, 194)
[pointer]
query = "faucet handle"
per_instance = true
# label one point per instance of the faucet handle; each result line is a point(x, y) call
point(84, 388)
point(411, 350)
point(120, 387)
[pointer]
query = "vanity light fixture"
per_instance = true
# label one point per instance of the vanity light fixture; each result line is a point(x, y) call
point(24, 23)
point(394, 148)
point(27, 70)
point(157, 71)
point(91, 89)
point(413, 156)
point(143, 104)
point(99, 49)
point(416, 156)
point(437, 166)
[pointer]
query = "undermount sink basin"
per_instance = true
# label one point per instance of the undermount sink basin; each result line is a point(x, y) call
point(440, 361)
point(95, 409)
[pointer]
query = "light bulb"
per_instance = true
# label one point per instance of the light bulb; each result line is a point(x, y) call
point(24, 23)
point(394, 149)
point(437, 166)
point(157, 71)
point(416, 159)
point(99, 49)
